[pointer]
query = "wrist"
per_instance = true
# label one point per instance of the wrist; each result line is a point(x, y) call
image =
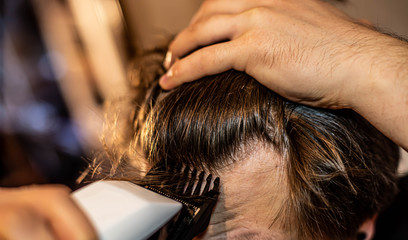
point(382, 91)
point(380, 73)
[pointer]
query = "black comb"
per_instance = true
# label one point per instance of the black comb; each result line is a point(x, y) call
point(197, 192)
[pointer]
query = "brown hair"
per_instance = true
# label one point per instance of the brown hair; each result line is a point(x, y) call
point(340, 169)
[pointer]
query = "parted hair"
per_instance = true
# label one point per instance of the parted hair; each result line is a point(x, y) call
point(339, 169)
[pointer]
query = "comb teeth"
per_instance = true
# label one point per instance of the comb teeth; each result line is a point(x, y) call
point(190, 186)
point(197, 190)
point(189, 182)
point(182, 184)
point(184, 181)
point(187, 185)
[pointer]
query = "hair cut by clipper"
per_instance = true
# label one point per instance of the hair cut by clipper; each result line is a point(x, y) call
point(287, 171)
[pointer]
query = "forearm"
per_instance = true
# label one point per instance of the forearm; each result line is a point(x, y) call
point(383, 98)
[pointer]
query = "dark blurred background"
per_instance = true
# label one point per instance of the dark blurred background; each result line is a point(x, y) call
point(62, 59)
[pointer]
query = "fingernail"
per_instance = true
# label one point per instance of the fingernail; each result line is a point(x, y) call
point(170, 73)
point(164, 79)
point(167, 60)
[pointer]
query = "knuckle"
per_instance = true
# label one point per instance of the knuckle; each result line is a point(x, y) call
point(208, 20)
point(202, 58)
point(258, 12)
point(192, 28)
point(240, 64)
point(201, 23)
point(217, 56)
point(216, 18)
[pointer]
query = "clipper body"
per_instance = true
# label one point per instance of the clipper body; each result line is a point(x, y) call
point(123, 210)
point(126, 211)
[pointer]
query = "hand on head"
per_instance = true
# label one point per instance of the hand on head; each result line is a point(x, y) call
point(305, 50)
point(42, 212)
point(282, 44)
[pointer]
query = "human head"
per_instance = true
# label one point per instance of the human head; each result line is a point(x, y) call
point(310, 173)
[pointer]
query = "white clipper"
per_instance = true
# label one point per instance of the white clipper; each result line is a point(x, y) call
point(123, 210)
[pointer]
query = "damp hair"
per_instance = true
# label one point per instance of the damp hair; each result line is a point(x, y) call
point(340, 170)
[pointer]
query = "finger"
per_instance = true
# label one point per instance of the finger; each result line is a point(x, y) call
point(206, 61)
point(70, 222)
point(65, 217)
point(212, 30)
